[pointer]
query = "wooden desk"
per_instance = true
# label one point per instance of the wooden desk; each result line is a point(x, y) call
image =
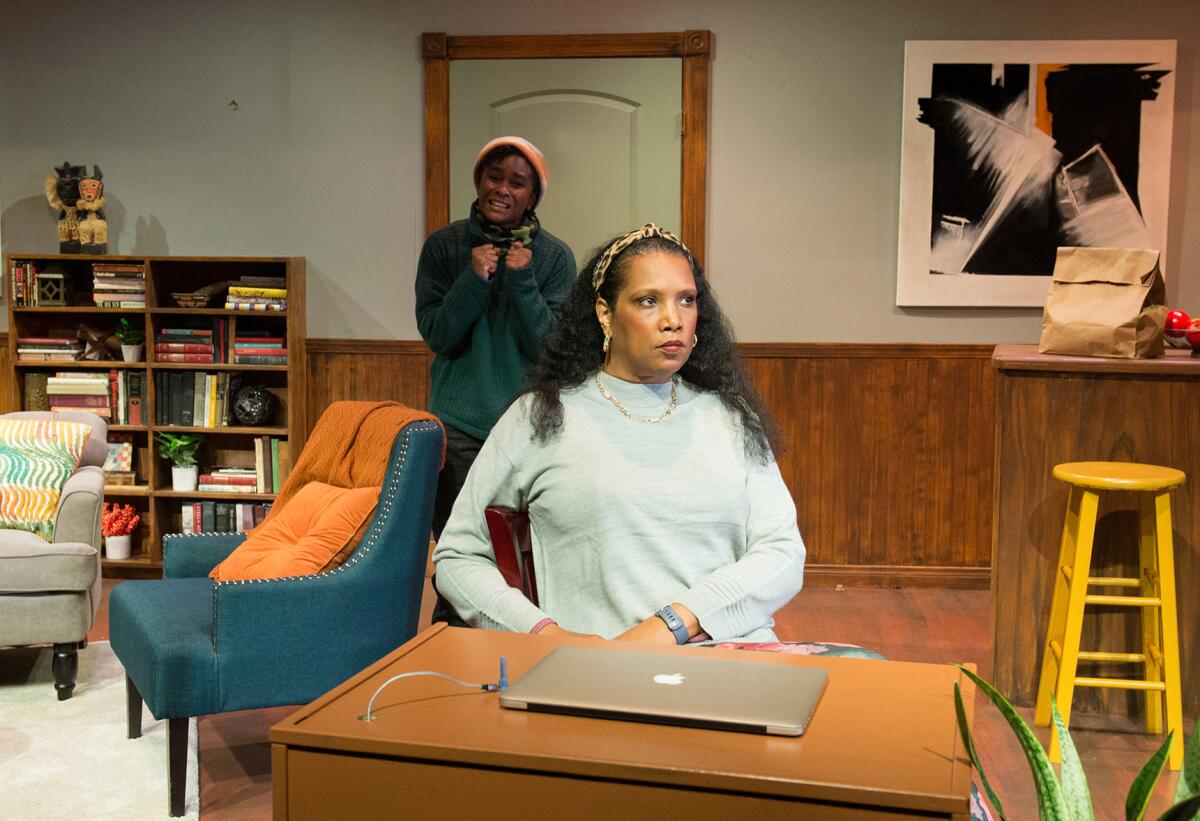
point(1053, 409)
point(882, 744)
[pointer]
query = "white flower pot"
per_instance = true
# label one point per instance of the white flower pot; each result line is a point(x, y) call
point(183, 478)
point(117, 547)
point(131, 353)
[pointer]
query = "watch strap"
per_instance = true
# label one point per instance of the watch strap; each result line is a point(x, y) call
point(674, 624)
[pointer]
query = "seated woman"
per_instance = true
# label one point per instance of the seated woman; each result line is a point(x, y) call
point(645, 461)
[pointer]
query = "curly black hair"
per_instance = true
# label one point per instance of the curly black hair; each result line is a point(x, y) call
point(573, 351)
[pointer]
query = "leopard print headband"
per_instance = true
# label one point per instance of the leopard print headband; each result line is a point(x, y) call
point(645, 232)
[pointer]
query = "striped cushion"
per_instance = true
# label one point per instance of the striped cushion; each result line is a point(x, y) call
point(37, 456)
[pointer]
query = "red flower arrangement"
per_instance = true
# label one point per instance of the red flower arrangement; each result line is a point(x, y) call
point(118, 520)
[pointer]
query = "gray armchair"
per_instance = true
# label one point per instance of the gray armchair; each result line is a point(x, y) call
point(50, 591)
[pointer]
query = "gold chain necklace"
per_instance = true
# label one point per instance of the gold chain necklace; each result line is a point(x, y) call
point(670, 408)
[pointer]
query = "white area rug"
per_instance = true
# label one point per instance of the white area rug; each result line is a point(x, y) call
point(71, 759)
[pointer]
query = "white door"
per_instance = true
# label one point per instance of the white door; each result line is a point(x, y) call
point(609, 130)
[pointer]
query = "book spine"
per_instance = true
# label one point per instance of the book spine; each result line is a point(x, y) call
point(184, 332)
point(135, 399)
point(118, 268)
point(248, 351)
point(275, 481)
point(260, 360)
point(252, 306)
point(182, 347)
point(252, 291)
point(219, 479)
point(193, 358)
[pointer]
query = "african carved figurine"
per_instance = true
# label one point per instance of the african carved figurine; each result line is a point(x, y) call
point(93, 227)
point(62, 192)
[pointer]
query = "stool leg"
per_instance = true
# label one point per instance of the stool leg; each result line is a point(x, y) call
point(1064, 688)
point(1151, 616)
point(1170, 626)
point(1058, 609)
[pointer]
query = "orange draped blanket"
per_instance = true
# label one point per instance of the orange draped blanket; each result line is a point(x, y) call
point(350, 446)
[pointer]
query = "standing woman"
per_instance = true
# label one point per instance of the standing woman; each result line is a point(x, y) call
point(646, 463)
point(488, 289)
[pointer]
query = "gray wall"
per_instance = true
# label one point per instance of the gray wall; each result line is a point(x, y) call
point(324, 156)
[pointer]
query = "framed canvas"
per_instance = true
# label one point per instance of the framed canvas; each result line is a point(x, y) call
point(1011, 149)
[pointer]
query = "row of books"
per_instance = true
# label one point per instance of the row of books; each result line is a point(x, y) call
point(257, 294)
point(271, 466)
point(222, 517)
point(197, 345)
point(259, 348)
point(119, 284)
point(116, 396)
point(23, 279)
point(194, 398)
point(48, 348)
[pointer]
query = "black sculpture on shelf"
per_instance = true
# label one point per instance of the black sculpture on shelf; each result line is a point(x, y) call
point(253, 405)
point(62, 192)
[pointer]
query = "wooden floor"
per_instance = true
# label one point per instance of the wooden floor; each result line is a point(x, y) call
point(929, 625)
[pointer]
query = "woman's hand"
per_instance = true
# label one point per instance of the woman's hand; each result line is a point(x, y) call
point(518, 256)
point(484, 259)
point(554, 630)
point(652, 631)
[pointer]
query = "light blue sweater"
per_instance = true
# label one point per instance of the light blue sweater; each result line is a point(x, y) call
point(627, 517)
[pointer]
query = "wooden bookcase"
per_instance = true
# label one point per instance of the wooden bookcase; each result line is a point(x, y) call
point(159, 505)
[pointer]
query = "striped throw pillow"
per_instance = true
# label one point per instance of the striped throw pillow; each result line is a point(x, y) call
point(37, 456)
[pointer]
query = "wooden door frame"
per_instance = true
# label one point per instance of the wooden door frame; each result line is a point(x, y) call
point(694, 47)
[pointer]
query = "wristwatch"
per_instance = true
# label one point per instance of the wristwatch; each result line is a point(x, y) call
point(674, 624)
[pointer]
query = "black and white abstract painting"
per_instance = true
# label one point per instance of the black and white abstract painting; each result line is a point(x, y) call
point(1011, 149)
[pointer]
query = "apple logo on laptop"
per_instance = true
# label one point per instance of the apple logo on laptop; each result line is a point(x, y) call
point(673, 679)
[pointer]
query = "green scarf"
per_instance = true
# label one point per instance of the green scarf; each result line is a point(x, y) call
point(524, 232)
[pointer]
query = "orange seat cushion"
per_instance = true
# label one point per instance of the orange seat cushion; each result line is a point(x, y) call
point(318, 530)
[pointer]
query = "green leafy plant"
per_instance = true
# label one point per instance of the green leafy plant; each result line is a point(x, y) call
point(1070, 798)
point(128, 333)
point(180, 448)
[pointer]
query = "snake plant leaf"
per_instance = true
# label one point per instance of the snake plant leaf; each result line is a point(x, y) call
point(1142, 786)
point(1074, 782)
point(1189, 777)
point(969, 743)
point(1188, 810)
point(1051, 805)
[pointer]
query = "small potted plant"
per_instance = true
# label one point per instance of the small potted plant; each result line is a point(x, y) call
point(117, 523)
point(131, 337)
point(181, 449)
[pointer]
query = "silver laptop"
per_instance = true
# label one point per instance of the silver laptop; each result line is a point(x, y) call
point(689, 691)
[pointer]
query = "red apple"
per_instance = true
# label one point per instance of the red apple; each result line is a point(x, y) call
point(1193, 335)
point(1177, 323)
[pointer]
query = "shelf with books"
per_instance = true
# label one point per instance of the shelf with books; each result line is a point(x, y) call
point(105, 364)
point(153, 292)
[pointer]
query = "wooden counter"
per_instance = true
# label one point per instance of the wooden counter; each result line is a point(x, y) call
point(1053, 409)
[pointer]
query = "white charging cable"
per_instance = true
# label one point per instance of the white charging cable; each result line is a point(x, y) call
point(490, 688)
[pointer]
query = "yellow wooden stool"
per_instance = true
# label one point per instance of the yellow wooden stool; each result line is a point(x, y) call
point(1156, 598)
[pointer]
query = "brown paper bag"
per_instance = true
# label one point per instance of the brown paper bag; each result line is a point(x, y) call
point(1105, 302)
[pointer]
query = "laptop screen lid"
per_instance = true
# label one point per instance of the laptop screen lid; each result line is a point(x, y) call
point(683, 690)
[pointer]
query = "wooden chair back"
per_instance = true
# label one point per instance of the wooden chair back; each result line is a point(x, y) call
point(513, 548)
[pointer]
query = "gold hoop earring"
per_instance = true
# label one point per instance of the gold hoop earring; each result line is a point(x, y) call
point(607, 342)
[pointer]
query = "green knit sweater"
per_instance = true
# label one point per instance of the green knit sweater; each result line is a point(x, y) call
point(485, 334)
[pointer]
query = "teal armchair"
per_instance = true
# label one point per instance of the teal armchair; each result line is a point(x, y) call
point(192, 646)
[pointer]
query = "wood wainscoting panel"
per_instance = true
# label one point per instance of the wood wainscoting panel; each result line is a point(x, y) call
point(889, 459)
point(890, 447)
point(370, 369)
